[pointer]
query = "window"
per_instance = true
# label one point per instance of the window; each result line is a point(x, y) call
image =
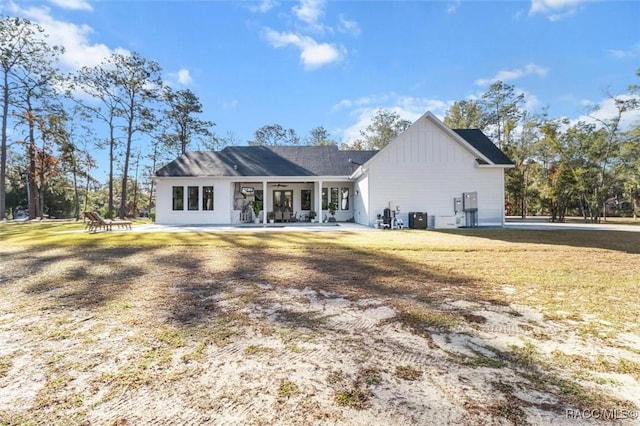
point(207, 198)
point(178, 198)
point(325, 198)
point(305, 203)
point(192, 197)
point(283, 200)
point(344, 199)
point(335, 192)
point(259, 196)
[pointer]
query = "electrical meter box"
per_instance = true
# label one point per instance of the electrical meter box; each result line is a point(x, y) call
point(457, 204)
point(469, 201)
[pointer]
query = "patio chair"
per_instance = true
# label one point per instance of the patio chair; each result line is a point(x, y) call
point(91, 223)
point(108, 224)
point(286, 216)
point(278, 216)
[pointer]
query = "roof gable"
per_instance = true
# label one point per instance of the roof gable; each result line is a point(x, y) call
point(473, 140)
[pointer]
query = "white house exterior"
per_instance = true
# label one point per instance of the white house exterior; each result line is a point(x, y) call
point(422, 170)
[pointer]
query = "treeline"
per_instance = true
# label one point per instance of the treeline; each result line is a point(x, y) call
point(56, 124)
point(589, 168)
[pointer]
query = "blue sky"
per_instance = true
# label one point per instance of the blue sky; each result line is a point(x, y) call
point(307, 63)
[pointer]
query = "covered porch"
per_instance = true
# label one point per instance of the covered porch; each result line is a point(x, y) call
point(289, 201)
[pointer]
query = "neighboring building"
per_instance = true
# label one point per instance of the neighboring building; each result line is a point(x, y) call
point(423, 170)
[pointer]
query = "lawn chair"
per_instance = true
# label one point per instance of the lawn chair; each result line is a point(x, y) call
point(91, 222)
point(108, 224)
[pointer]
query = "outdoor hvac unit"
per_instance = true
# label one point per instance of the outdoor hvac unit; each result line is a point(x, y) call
point(417, 220)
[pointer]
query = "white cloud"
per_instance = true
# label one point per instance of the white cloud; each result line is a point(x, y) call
point(347, 26)
point(79, 51)
point(622, 54)
point(453, 6)
point(508, 75)
point(310, 12)
point(607, 110)
point(263, 7)
point(184, 77)
point(73, 4)
point(407, 107)
point(555, 9)
point(312, 54)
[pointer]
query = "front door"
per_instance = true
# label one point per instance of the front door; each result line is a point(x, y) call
point(282, 200)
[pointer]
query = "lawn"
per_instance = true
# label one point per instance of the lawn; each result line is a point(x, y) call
point(386, 327)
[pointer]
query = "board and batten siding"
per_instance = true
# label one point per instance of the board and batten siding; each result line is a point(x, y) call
point(424, 169)
point(361, 197)
point(221, 202)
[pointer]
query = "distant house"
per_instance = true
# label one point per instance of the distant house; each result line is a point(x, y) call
point(425, 169)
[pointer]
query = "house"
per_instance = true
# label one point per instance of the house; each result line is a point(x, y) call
point(425, 169)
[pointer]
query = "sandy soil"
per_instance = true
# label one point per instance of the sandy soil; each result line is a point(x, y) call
point(192, 350)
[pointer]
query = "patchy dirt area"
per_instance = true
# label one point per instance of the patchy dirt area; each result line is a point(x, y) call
point(132, 336)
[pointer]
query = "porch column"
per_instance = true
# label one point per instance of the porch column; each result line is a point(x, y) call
point(264, 201)
point(319, 202)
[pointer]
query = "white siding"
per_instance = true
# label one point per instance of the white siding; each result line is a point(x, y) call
point(424, 169)
point(223, 200)
point(220, 214)
point(361, 197)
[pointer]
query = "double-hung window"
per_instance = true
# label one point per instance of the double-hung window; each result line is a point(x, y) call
point(207, 198)
point(178, 197)
point(192, 197)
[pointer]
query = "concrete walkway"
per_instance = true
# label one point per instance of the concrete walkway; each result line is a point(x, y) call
point(531, 224)
point(270, 227)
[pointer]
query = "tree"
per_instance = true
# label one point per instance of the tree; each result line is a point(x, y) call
point(126, 86)
point(501, 112)
point(24, 54)
point(96, 82)
point(180, 120)
point(319, 136)
point(273, 135)
point(464, 115)
point(139, 82)
point(385, 126)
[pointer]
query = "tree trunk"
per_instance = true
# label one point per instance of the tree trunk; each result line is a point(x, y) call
point(3, 145)
point(34, 210)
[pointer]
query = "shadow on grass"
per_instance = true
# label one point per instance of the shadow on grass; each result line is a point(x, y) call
point(191, 280)
point(626, 242)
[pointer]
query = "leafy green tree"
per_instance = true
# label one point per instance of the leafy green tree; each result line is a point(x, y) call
point(182, 124)
point(319, 136)
point(385, 126)
point(25, 70)
point(464, 115)
point(127, 87)
point(274, 134)
point(502, 112)
point(139, 83)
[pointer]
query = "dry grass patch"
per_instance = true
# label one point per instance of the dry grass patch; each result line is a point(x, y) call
point(171, 315)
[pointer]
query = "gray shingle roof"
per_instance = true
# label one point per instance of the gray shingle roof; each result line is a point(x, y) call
point(482, 143)
point(296, 160)
point(267, 161)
